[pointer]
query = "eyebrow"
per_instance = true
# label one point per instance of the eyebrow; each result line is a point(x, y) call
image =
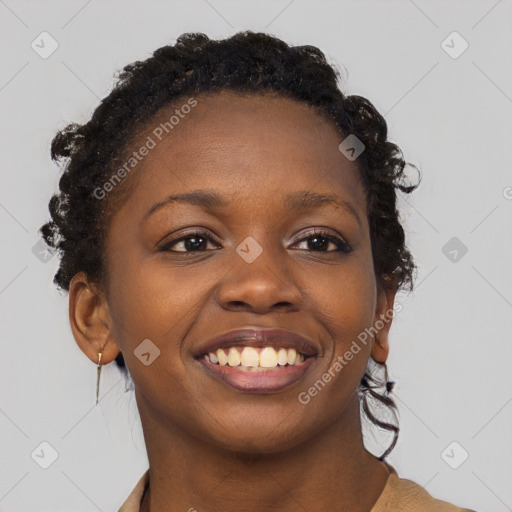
point(300, 201)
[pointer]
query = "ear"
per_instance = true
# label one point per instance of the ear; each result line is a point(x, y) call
point(90, 320)
point(382, 320)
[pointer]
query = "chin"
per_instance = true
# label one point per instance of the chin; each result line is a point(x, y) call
point(260, 441)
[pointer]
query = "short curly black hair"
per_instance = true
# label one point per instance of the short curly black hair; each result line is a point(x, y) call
point(246, 63)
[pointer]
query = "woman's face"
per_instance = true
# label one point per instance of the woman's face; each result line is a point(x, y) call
point(252, 152)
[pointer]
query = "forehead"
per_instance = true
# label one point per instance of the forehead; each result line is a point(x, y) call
point(227, 118)
point(242, 144)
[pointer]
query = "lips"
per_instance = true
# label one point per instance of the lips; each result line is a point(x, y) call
point(261, 379)
point(258, 337)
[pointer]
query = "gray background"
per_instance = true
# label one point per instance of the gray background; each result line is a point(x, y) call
point(451, 349)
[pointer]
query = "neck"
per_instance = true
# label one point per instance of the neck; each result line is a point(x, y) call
point(330, 471)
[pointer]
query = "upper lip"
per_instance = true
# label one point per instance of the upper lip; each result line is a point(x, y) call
point(259, 337)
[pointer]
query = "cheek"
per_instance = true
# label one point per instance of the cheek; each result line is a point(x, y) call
point(151, 315)
point(346, 305)
point(150, 301)
point(345, 300)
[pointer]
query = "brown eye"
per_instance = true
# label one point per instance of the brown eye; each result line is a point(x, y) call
point(319, 240)
point(192, 242)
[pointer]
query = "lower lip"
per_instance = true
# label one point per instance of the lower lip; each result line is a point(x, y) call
point(261, 381)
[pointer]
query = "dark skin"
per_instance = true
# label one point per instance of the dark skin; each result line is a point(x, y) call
point(210, 446)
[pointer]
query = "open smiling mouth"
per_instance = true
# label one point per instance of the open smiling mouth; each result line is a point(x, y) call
point(256, 359)
point(263, 369)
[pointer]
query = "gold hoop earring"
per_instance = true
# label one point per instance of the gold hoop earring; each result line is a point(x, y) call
point(98, 371)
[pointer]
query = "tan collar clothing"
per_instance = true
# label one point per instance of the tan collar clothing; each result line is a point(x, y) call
point(398, 495)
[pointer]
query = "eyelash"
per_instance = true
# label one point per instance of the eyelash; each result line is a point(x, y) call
point(342, 246)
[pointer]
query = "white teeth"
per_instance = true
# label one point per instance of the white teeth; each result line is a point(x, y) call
point(233, 357)
point(249, 357)
point(282, 357)
point(223, 358)
point(268, 357)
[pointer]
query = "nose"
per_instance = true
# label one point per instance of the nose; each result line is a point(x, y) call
point(260, 286)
